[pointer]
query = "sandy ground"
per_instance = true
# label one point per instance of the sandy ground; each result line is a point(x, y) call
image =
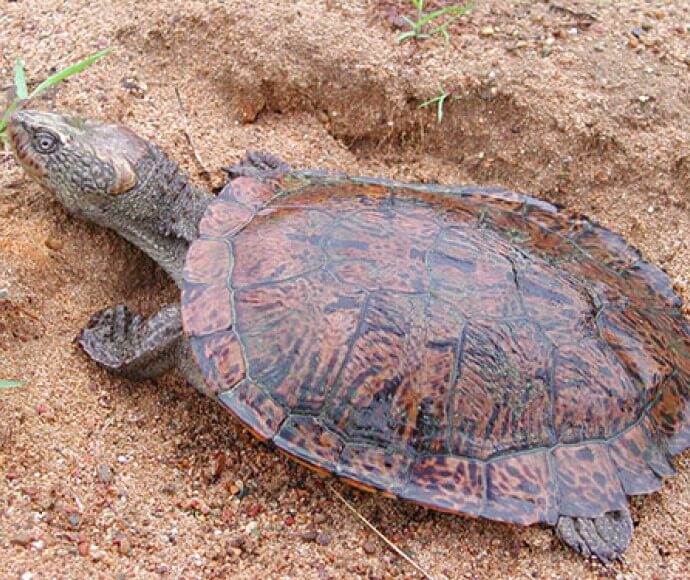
point(102, 478)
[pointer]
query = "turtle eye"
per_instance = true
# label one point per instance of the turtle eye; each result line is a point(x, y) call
point(45, 142)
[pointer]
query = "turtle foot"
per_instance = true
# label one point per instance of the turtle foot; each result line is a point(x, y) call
point(605, 537)
point(259, 165)
point(129, 345)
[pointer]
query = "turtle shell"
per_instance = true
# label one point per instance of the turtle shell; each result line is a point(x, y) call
point(469, 349)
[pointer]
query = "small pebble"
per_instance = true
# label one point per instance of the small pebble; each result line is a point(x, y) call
point(83, 548)
point(74, 520)
point(546, 51)
point(54, 244)
point(487, 31)
point(123, 545)
point(27, 576)
point(105, 474)
point(369, 547)
point(236, 542)
point(323, 539)
point(308, 536)
point(251, 526)
point(320, 518)
point(600, 47)
point(38, 545)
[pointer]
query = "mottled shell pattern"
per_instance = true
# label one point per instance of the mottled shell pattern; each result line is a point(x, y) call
point(469, 349)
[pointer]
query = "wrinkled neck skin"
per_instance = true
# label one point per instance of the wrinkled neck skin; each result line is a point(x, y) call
point(160, 215)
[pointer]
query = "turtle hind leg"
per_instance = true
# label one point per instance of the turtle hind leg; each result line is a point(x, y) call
point(259, 165)
point(131, 346)
point(605, 537)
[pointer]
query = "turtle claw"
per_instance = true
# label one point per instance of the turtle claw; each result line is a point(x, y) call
point(127, 344)
point(259, 165)
point(107, 336)
point(605, 537)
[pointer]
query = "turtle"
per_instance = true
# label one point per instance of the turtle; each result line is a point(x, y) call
point(471, 349)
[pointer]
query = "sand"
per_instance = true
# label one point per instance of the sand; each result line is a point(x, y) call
point(102, 478)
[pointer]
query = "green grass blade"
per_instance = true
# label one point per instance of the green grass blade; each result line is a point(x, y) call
point(439, 109)
point(457, 10)
point(68, 72)
point(10, 384)
point(404, 36)
point(6, 116)
point(20, 80)
point(429, 102)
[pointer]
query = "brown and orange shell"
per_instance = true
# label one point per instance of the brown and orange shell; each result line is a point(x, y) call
point(470, 349)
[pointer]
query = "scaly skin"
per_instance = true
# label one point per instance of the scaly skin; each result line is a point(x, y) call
point(108, 175)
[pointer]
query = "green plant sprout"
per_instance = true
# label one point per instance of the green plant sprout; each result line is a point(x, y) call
point(418, 26)
point(10, 384)
point(440, 101)
point(22, 90)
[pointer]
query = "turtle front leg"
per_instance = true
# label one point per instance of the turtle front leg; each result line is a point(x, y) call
point(605, 537)
point(131, 346)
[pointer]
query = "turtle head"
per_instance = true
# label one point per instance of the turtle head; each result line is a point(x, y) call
point(107, 174)
point(85, 164)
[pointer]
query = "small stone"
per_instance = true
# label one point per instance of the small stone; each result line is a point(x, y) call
point(644, 98)
point(323, 539)
point(289, 521)
point(546, 51)
point(97, 555)
point(122, 459)
point(83, 548)
point(22, 539)
point(600, 47)
point(38, 545)
point(123, 545)
point(251, 527)
point(549, 41)
point(637, 32)
point(320, 518)
point(487, 31)
point(54, 244)
point(308, 536)
point(254, 510)
point(647, 26)
point(74, 520)
point(27, 576)
point(105, 474)
point(236, 542)
point(369, 547)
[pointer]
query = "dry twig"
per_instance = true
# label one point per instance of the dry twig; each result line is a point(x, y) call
point(390, 544)
point(205, 173)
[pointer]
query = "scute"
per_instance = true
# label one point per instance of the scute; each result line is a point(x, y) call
point(469, 349)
